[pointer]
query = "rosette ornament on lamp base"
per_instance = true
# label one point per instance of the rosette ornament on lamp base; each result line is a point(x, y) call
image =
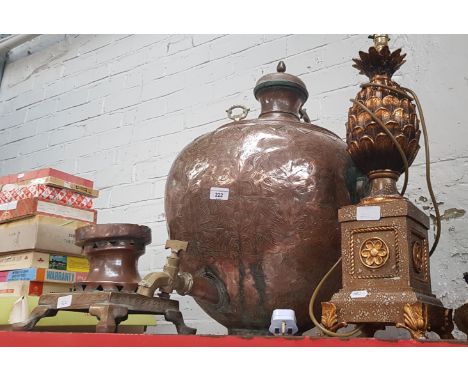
point(385, 264)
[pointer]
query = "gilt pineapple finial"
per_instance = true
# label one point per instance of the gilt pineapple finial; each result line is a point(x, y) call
point(370, 145)
point(379, 60)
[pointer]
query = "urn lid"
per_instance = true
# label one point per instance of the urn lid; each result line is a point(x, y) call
point(281, 79)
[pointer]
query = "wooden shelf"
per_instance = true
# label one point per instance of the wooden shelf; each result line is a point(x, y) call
point(50, 339)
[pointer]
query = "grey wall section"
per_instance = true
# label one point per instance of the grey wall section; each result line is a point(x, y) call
point(118, 109)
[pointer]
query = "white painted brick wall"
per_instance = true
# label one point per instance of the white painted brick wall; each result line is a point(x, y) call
point(118, 109)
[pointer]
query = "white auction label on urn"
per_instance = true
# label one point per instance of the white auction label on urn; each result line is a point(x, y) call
point(358, 294)
point(219, 193)
point(64, 301)
point(368, 213)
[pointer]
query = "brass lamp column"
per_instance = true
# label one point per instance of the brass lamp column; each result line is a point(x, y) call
point(386, 275)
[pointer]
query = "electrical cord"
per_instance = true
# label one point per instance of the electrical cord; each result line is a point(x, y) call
point(403, 91)
point(311, 308)
point(395, 142)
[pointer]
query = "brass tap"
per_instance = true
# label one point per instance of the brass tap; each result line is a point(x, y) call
point(169, 279)
point(380, 40)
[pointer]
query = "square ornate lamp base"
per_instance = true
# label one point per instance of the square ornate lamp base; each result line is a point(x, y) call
point(386, 275)
point(110, 308)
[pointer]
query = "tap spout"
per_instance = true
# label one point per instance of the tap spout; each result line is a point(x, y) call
point(170, 279)
point(152, 282)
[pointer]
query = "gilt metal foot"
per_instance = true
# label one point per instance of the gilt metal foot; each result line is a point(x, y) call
point(329, 319)
point(415, 316)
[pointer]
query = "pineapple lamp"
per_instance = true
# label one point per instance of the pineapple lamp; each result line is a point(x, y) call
point(385, 263)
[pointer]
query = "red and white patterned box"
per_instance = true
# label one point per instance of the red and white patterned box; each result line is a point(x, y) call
point(45, 172)
point(19, 209)
point(59, 195)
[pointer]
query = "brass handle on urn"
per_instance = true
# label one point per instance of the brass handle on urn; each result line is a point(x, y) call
point(237, 117)
point(304, 116)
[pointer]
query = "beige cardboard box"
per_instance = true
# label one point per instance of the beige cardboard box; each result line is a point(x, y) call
point(40, 233)
point(24, 260)
point(31, 288)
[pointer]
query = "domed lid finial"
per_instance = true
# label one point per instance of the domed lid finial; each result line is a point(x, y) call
point(280, 79)
point(281, 68)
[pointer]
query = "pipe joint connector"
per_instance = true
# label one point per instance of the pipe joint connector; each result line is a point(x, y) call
point(184, 283)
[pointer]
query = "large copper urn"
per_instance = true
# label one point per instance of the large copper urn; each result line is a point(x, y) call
point(257, 202)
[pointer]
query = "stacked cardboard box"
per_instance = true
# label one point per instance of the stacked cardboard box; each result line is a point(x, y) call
point(39, 212)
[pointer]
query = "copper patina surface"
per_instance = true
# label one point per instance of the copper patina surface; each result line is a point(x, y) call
point(269, 242)
point(113, 251)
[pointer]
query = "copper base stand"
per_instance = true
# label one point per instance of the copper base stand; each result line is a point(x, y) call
point(110, 308)
point(386, 275)
point(108, 292)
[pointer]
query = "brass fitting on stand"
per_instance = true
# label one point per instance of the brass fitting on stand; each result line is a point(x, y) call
point(169, 279)
point(380, 40)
